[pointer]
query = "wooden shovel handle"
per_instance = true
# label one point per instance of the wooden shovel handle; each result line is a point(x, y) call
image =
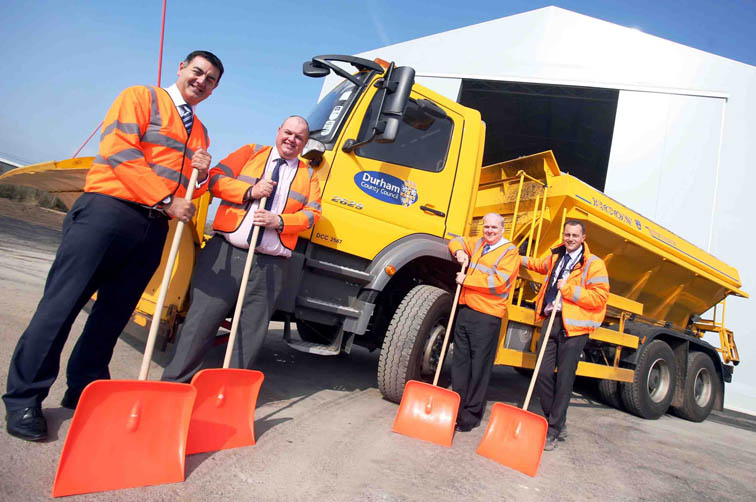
point(448, 330)
point(242, 290)
point(546, 333)
point(158, 313)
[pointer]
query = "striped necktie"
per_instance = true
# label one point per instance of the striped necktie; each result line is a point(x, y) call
point(486, 248)
point(187, 116)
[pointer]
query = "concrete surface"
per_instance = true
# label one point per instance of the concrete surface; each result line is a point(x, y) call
point(324, 433)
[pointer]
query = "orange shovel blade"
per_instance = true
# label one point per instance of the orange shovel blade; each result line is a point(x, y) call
point(125, 433)
point(514, 437)
point(427, 412)
point(224, 411)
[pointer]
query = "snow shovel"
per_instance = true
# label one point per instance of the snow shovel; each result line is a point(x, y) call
point(224, 411)
point(426, 411)
point(515, 437)
point(129, 433)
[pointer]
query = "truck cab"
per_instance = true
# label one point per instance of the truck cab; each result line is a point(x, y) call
point(390, 204)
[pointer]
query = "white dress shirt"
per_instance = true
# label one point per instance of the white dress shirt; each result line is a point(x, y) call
point(271, 243)
point(178, 100)
point(572, 258)
point(495, 245)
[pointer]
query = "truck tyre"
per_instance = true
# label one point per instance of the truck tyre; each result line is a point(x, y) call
point(653, 385)
point(609, 390)
point(413, 340)
point(701, 387)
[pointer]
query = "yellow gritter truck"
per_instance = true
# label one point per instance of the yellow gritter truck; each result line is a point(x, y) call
point(400, 168)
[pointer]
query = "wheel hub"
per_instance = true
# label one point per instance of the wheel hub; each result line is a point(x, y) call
point(702, 387)
point(432, 350)
point(659, 380)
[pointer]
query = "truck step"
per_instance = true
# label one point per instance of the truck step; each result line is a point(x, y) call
point(321, 349)
point(315, 348)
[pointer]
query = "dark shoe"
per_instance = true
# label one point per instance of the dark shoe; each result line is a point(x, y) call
point(562, 434)
point(28, 424)
point(551, 443)
point(70, 399)
point(463, 428)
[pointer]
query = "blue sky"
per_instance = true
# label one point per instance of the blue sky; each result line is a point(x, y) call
point(64, 62)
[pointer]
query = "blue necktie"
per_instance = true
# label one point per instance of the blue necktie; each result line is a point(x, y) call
point(486, 248)
point(269, 201)
point(187, 116)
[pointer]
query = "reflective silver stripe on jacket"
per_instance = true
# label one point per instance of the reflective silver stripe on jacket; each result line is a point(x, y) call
point(204, 132)
point(170, 174)
point(585, 268)
point(492, 288)
point(503, 254)
point(301, 198)
point(119, 158)
point(581, 324)
point(314, 205)
point(160, 139)
point(489, 271)
point(124, 127)
point(524, 260)
point(478, 245)
point(249, 179)
point(155, 118)
point(598, 280)
point(310, 218)
point(217, 176)
point(576, 294)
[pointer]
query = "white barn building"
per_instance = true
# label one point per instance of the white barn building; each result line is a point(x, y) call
point(665, 129)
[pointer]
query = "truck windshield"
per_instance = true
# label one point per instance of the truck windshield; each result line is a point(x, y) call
point(328, 116)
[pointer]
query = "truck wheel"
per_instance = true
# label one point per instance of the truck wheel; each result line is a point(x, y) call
point(609, 390)
point(653, 385)
point(701, 387)
point(413, 340)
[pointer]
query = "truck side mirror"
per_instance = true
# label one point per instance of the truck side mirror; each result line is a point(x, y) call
point(398, 90)
point(315, 69)
point(396, 87)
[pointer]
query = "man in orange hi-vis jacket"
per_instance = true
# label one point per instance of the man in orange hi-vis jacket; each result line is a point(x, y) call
point(486, 286)
point(292, 192)
point(113, 237)
point(582, 279)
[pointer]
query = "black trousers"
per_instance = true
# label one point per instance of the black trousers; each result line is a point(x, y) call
point(215, 289)
point(555, 389)
point(475, 338)
point(109, 246)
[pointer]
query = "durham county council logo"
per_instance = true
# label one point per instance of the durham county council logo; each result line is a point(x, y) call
point(387, 188)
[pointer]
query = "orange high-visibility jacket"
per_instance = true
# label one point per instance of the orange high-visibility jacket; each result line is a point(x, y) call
point(145, 154)
point(234, 175)
point(584, 294)
point(490, 277)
